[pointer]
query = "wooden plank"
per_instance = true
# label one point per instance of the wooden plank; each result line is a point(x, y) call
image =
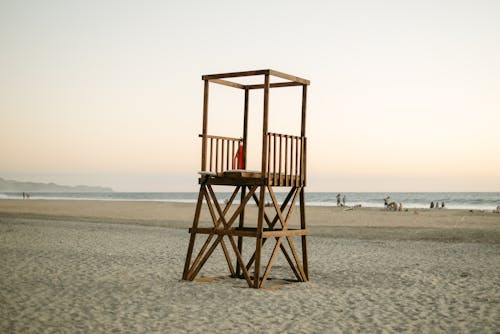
point(301, 162)
point(217, 207)
point(239, 260)
point(277, 208)
point(220, 137)
point(271, 261)
point(281, 233)
point(303, 238)
point(217, 155)
point(274, 85)
point(245, 128)
point(296, 161)
point(232, 181)
point(286, 161)
point(279, 159)
point(274, 159)
point(222, 156)
point(289, 77)
point(211, 153)
point(265, 120)
point(303, 135)
point(204, 127)
point(297, 260)
point(283, 206)
point(290, 262)
point(242, 206)
point(241, 224)
point(228, 83)
point(291, 159)
point(227, 155)
point(266, 218)
point(193, 235)
point(234, 74)
point(228, 257)
point(202, 250)
point(242, 174)
point(269, 155)
point(229, 231)
point(196, 270)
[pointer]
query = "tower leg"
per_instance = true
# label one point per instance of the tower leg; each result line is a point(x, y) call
point(193, 235)
point(258, 243)
point(241, 224)
point(304, 237)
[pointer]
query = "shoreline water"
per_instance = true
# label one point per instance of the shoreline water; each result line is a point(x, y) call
point(485, 201)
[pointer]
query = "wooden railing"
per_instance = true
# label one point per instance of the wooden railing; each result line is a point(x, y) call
point(286, 159)
point(220, 153)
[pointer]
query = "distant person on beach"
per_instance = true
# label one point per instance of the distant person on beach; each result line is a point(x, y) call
point(338, 199)
point(432, 205)
point(24, 195)
point(497, 210)
point(343, 200)
point(386, 201)
point(442, 205)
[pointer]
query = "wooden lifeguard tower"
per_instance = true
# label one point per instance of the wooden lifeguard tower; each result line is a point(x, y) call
point(224, 161)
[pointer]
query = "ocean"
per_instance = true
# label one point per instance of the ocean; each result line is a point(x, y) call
point(452, 200)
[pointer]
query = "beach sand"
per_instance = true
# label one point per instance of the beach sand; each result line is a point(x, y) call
point(111, 266)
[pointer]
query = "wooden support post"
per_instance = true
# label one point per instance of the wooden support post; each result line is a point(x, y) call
point(243, 189)
point(204, 128)
point(260, 219)
point(303, 238)
point(192, 239)
point(304, 178)
point(303, 135)
point(245, 129)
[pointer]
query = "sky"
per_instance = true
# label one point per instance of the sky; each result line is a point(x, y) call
point(404, 95)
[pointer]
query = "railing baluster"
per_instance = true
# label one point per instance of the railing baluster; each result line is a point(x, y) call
point(217, 155)
point(301, 164)
point(279, 162)
point(274, 159)
point(227, 155)
point(296, 160)
point(286, 160)
point(268, 158)
point(211, 153)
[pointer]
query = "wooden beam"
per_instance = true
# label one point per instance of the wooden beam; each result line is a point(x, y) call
point(260, 218)
point(204, 128)
point(193, 235)
point(271, 261)
point(275, 85)
point(230, 231)
point(303, 171)
point(289, 77)
point(303, 238)
point(245, 128)
point(228, 83)
point(234, 74)
point(281, 233)
point(240, 262)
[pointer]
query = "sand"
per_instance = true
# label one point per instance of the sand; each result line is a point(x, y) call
point(97, 266)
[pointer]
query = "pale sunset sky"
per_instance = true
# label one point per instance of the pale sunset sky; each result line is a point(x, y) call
point(404, 95)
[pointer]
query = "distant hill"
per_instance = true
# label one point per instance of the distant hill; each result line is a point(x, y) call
point(18, 186)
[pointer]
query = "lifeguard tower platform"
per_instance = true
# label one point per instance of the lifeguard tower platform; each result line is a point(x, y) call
point(223, 163)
